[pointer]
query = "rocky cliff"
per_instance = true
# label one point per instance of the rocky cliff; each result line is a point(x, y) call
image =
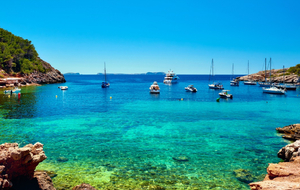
point(50, 76)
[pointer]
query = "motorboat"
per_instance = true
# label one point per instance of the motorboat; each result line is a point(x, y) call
point(154, 88)
point(63, 87)
point(225, 94)
point(274, 90)
point(105, 84)
point(190, 88)
point(217, 86)
point(15, 90)
point(171, 78)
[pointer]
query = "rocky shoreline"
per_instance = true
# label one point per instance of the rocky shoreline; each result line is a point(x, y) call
point(284, 175)
point(277, 77)
point(35, 78)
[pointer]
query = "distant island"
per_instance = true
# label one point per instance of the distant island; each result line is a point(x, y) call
point(148, 73)
point(71, 73)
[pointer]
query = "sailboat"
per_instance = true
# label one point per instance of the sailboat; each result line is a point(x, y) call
point(234, 82)
point(105, 84)
point(214, 85)
point(284, 85)
point(265, 84)
point(273, 89)
point(249, 82)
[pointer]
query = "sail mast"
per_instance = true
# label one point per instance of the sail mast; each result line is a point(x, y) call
point(212, 65)
point(270, 70)
point(232, 71)
point(265, 69)
point(248, 70)
point(104, 71)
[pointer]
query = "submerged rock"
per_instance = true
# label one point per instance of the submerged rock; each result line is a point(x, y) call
point(181, 158)
point(62, 159)
point(244, 175)
point(83, 186)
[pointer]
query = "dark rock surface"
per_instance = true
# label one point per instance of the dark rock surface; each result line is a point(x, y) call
point(51, 76)
point(291, 132)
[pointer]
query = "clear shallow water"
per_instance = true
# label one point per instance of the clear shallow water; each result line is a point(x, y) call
point(129, 141)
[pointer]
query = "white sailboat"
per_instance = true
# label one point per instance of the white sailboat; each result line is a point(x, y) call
point(214, 85)
point(273, 89)
point(249, 82)
point(234, 82)
point(265, 84)
point(105, 84)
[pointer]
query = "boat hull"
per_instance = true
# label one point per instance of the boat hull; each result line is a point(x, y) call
point(273, 91)
point(216, 87)
point(262, 84)
point(249, 83)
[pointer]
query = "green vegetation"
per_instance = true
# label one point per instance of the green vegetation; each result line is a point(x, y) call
point(18, 55)
point(295, 70)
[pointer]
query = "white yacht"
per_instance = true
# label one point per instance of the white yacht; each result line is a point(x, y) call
point(224, 94)
point(190, 88)
point(171, 78)
point(274, 90)
point(265, 84)
point(154, 88)
point(63, 87)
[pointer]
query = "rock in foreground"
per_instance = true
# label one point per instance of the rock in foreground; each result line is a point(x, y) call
point(17, 167)
point(285, 175)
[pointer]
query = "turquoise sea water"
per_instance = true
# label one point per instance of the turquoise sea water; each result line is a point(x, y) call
point(125, 138)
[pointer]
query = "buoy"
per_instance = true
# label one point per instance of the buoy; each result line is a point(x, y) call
point(218, 99)
point(110, 97)
point(181, 99)
point(19, 95)
point(56, 96)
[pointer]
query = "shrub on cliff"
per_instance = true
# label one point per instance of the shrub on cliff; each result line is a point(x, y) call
point(295, 70)
point(18, 55)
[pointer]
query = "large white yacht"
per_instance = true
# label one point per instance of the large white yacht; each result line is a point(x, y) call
point(171, 78)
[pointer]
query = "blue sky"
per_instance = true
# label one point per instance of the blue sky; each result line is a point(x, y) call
point(141, 36)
